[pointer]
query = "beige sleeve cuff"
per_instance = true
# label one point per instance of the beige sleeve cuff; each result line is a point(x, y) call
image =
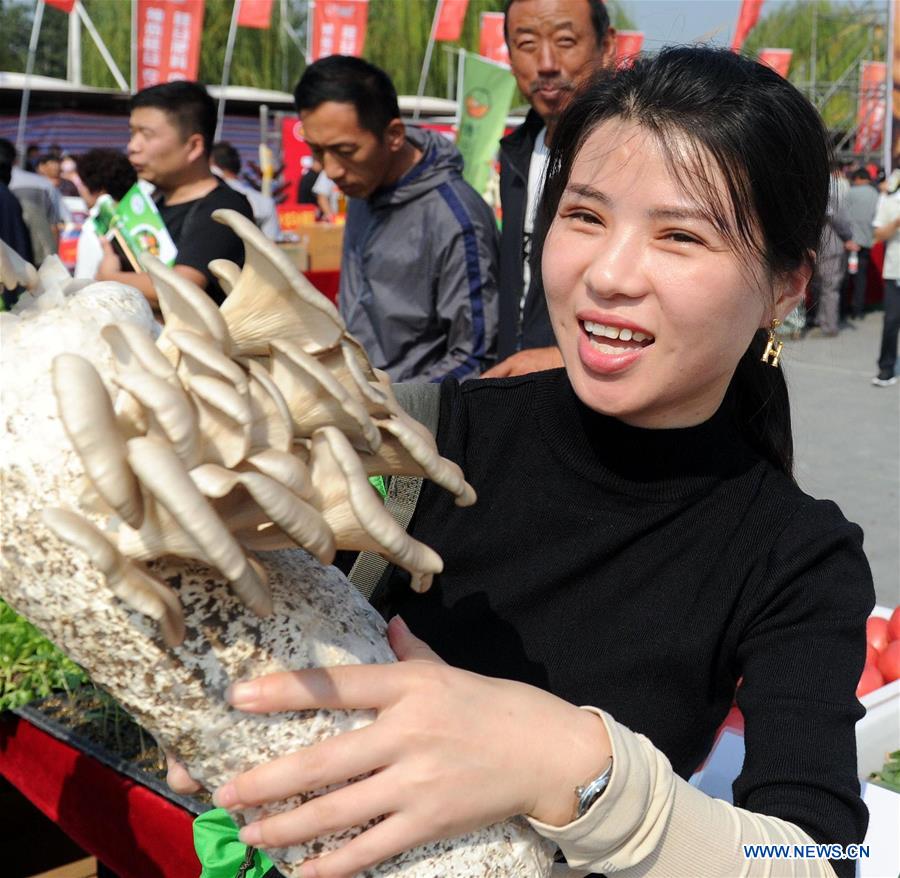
point(649, 822)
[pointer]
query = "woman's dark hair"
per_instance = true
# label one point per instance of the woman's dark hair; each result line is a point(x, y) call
point(187, 104)
point(347, 80)
point(106, 170)
point(766, 142)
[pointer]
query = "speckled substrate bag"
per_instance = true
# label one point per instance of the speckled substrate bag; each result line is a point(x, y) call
point(155, 495)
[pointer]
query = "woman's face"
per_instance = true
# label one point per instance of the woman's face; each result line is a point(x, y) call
point(651, 307)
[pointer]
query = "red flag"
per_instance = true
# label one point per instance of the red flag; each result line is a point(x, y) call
point(339, 27)
point(746, 21)
point(168, 40)
point(628, 46)
point(255, 13)
point(778, 59)
point(491, 42)
point(450, 19)
point(64, 5)
point(872, 104)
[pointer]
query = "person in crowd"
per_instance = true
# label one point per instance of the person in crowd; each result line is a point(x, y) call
point(42, 207)
point(328, 198)
point(639, 545)
point(172, 127)
point(862, 200)
point(70, 182)
point(102, 172)
point(49, 165)
point(553, 46)
point(831, 267)
point(31, 156)
point(13, 230)
point(418, 281)
point(886, 226)
point(310, 173)
point(225, 161)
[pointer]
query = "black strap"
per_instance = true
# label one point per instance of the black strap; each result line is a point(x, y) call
point(422, 402)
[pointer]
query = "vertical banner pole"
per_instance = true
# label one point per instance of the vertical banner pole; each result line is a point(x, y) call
point(134, 46)
point(26, 90)
point(226, 68)
point(460, 86)
point(310, 14)
point(427, 62)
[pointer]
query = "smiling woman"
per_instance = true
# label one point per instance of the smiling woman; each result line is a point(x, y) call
point(639, 543)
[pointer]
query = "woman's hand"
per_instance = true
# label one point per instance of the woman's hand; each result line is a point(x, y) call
point(449, 752)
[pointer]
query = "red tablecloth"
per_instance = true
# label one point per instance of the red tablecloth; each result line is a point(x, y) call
point(129, 828)
point(326, 282)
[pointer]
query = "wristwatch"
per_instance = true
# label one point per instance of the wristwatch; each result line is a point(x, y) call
point(586, 795)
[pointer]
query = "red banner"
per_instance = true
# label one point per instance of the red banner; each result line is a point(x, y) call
point(778, 59)
point(255, 13)
point(450, 19)
point(628, 46)
point(64, 5)
point(339, 27)
point(746, 20)
point(872, 101)
point(168, 40)
point(491, 43)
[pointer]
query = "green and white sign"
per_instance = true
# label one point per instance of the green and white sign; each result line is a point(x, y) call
point(485, 97)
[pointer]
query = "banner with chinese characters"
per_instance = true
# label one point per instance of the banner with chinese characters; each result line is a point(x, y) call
point(491, 42)
point(778, 59)
point(747, 19)
point(168, 40)
point(338, 27)
point(628, 47)
point(255, 13)
point(488, 90)
point(872, 101)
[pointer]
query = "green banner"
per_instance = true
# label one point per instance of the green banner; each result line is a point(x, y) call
point(138, 224)
point(487, 92)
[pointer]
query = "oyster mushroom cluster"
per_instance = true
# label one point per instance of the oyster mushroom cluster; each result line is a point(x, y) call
point(245, 428)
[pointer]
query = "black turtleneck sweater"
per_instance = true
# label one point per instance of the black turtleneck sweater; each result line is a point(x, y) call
point(644, 572)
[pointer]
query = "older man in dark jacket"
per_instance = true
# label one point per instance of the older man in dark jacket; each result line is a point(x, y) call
point(554, 45)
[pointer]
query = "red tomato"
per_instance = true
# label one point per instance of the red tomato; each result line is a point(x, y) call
point(871, 655)
point(877, 632)
point(894, 624)
point(870, 680)
point(889, 662)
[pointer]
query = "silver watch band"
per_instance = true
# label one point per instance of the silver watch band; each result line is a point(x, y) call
point(586, 795)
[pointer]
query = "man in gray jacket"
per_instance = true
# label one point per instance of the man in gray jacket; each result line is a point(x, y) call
point(419, 266)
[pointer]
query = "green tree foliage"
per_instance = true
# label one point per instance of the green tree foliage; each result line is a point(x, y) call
point(396, 40)
point(843, 34)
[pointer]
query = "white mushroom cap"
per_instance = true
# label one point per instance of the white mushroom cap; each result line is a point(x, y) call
point(134, 586)
point(165, 477)
point(90, 422)
point(356, 514)
point(302, 522)
point(202, 356)
point(15, 271)
point(226, 419)
point(184, 305)
point(172, 414)
point(226, 273)
point(272, 300)
point(408, 451)
point(135, 350)
point(272, 426)
point(317, 399)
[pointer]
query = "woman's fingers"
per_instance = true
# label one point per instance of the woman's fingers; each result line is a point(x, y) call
point(348, 687)
point(352, 805)
point(407, 647)
point(331, 761)
point(392, 836)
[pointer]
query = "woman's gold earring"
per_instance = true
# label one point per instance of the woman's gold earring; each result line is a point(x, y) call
point(773, 348)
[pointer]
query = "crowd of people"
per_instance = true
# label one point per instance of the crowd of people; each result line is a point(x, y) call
point(631, 448)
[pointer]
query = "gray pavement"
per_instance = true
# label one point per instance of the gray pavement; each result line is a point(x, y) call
point(847, 438)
